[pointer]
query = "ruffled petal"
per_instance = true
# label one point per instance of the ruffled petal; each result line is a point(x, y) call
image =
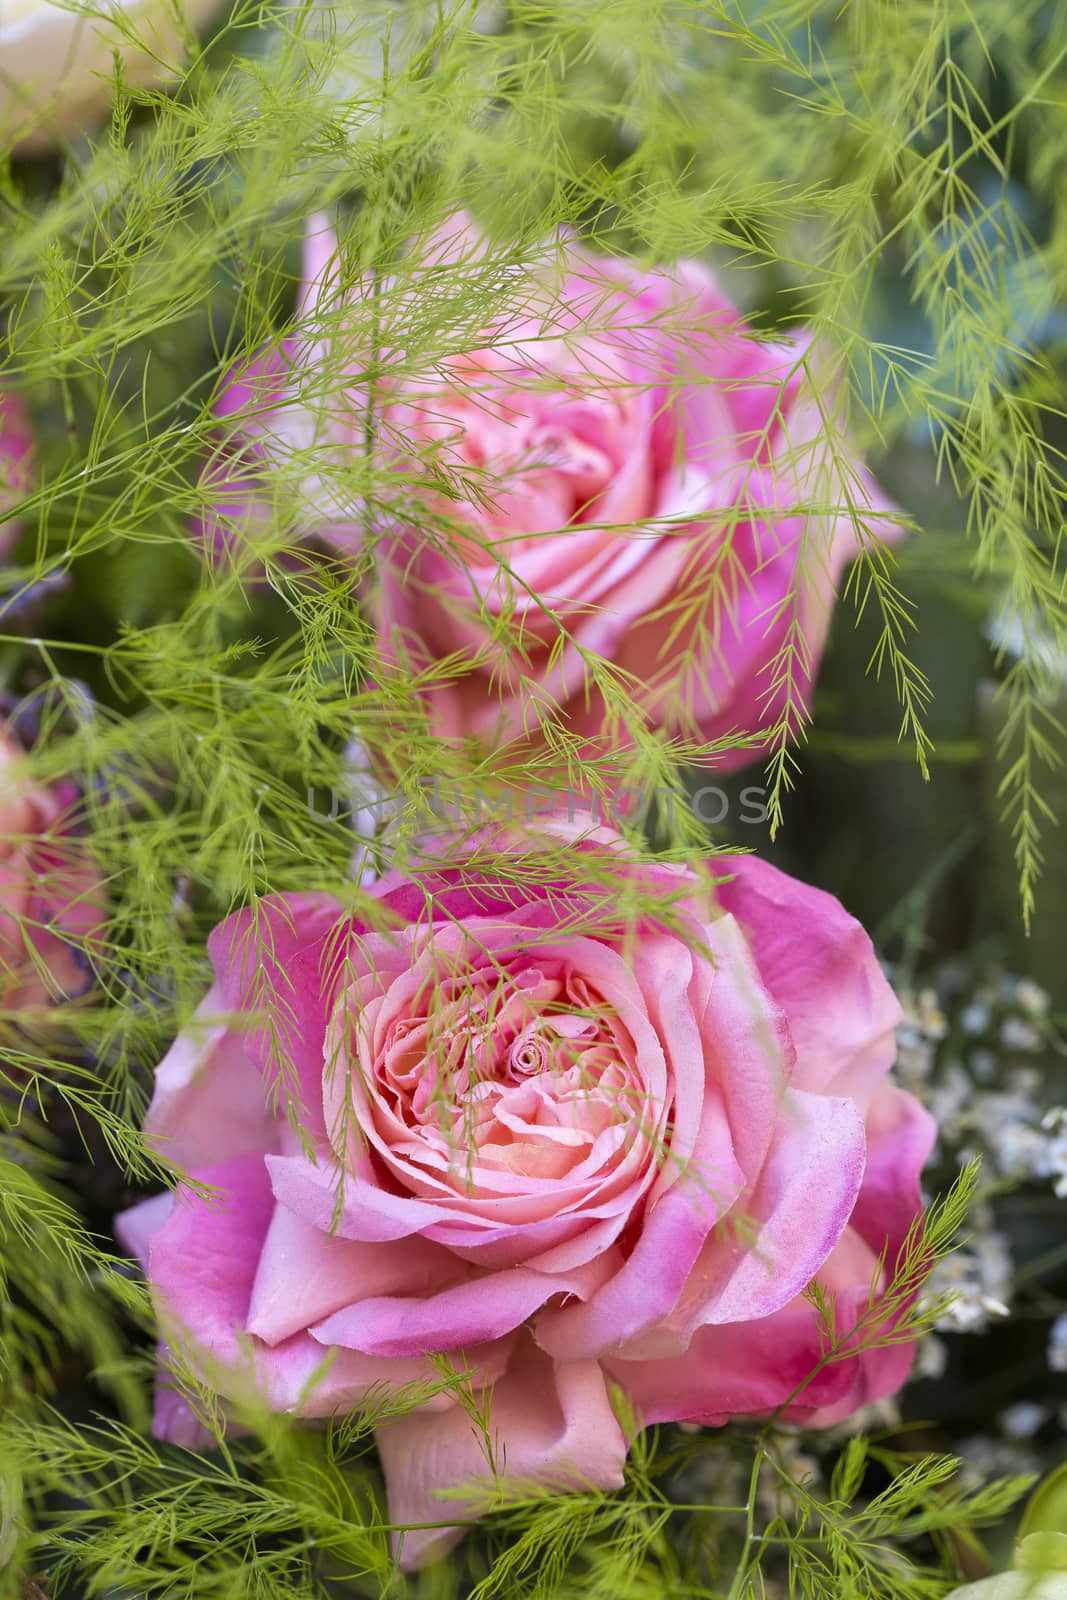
point(202, 1267)
point(471, 1313)
point(820, 967)
point(746, 1369)
point(779, 1236)
point(257, 955)
point(332, 1273)
point(209, 1101)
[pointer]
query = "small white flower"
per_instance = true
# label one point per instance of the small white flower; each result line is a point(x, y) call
point(915, 1060)
point(908, 1034)
point(373, 809)
point(1031, 997)
point(931, 1358)
point(975, 1018)
point(1017, 1034)
point(984, 1458)
point(1020, 1152)
point(1057, 1345)
point(932, 1019)
point(1022, 1420)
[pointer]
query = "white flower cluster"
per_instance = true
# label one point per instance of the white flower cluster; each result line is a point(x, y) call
point(977, 1277)
point(974, 1055)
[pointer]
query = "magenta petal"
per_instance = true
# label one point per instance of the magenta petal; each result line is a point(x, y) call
point(320, 248)
point(552, 1425)
point(202, 1265)
point(900, 1136)
point(471, 1313)
point(350, 1207)
point(799, 1208)
point(136, 1228)
point(744, 1058)
point(248, 392)
point(209, 1102)
point(779, 1235)
point(820, 967)
point(874, 1375)
point(267, 934)
point(173, 1418)
point(745, 1369)
point(203, 1260)
point(675, 1230)
point(16, 463)
point(256, 954)
point(750, 1055)
point(305, 1275)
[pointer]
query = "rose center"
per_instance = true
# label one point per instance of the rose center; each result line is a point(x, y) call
point(525, 1071)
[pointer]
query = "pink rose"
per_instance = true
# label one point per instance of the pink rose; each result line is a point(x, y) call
point(16, 451)
point(567, 1147)
point(262, 475)
point(615, 467)
point(51, 893)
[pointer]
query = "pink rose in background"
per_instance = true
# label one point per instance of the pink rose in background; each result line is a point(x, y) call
point(51, 893)
point(16, 452)
point(274, 438)
point(617, 467)
point(237, 503)
point(567, 1147)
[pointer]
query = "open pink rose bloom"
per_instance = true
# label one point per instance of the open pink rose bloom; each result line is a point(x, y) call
point(584, 1152)
point(616, 470)
point(16, 450)
point(51, 894)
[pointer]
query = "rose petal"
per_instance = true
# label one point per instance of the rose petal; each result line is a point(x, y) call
point(900, 1136)
point(136, 1227)
point(821, 968)
point(257, 954)
point(471, 1313)
point(209, 1101)
point(303, 1275)
point(740, 1369)
point(203, 1259)
point(202, 1268)
point(789, 1224)
point(553, 1427)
